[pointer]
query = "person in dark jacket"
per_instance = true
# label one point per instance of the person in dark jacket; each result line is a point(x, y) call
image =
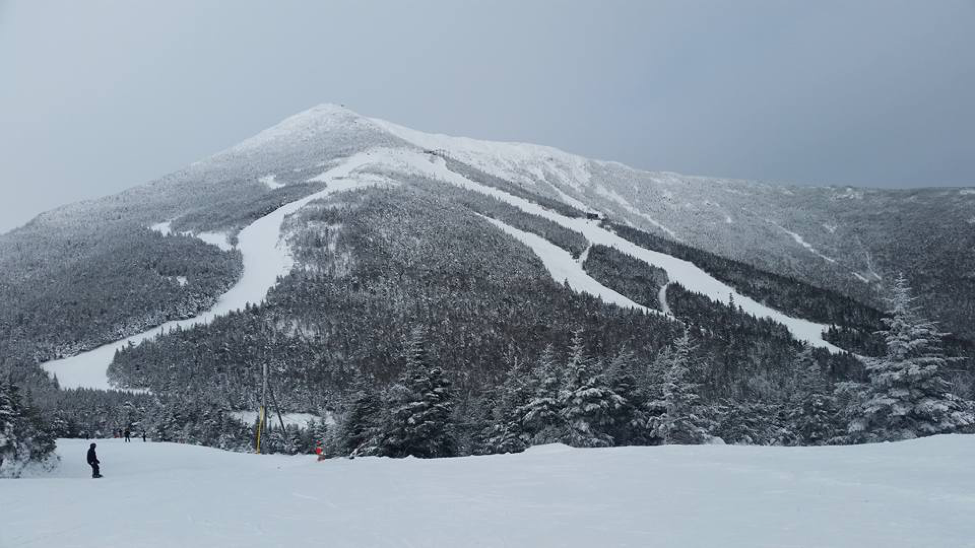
point(128, 435)
point(93, 462)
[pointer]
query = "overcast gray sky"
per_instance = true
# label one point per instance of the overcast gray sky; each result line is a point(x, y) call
point(99, 96)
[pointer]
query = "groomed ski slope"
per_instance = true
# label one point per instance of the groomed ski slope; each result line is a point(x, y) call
point(564, 268)
point(265, 258)
point(913, 494)
point(688, 274)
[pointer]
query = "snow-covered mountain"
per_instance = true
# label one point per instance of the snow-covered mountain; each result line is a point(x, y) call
point(351, 234)
point(848, 239)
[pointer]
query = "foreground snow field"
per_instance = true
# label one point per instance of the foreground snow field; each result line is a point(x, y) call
point(917, 493)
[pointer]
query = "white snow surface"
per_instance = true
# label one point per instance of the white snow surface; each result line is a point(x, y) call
point(219, 239)
point(520, 162)
point(564, 268)
point(265, 258)
point(163, 228)
point(909, 494)
point(270, 181)
point(662, 297)
point(688, 274)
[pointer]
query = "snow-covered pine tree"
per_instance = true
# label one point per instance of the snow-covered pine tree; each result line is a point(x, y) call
point(813, 407)
point(630, 419)
point(679, 422)
point(359, 429)
point(420, 420)
point(587, 404)
point(541, 415)
point(907, 396)
point(24, 436)
point(509, 434)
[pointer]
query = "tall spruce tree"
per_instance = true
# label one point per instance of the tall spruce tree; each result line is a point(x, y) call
point(630, 418)
point(359, 428)
point(588, 405)
point(907, 396)
point(678, 420)
point(25, 438)
point(541, 414)
point(509, 433)
point(813, 407)
point(420, 419)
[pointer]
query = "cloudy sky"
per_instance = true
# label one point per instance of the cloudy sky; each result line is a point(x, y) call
point(99, 96)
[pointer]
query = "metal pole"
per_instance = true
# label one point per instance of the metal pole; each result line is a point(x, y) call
point(263, 411)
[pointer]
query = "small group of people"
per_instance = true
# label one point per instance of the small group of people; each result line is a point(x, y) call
point(93, 457)
point(127, 434)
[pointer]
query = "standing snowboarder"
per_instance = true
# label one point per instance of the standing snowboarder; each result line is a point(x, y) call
point(143, 437)
point(128, 435)
point(93, 462)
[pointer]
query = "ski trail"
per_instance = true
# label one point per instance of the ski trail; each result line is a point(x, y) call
point(662, 297)
point(688, 274)
point(265, 258)
point(564, 268)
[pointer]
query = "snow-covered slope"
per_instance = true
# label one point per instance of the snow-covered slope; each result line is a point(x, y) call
point(688, 274)
point(908, 494)
point(564, 268)
point(265, 259)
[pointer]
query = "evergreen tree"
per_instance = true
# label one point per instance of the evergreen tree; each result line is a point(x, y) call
point(678, 421)
point(509, 433)
point(419, 423)
point(541, 414)
point(588, 406)
point(25, 438)
point(359, 429)
point(907, 395)
point(630, 419)
point(813, 414)
point(420, 419)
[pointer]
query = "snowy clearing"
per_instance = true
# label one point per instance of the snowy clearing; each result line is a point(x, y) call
point(164, 228)
point(219, 239)
point(907, 494)
point(265, 258)
point(270, 181)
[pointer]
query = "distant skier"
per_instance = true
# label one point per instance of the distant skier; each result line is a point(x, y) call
point(128, 435)
point(143, 437)
point(320, 451)
point(93, 462)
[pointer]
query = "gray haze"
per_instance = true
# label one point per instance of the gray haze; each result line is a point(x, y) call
point(96, 97)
